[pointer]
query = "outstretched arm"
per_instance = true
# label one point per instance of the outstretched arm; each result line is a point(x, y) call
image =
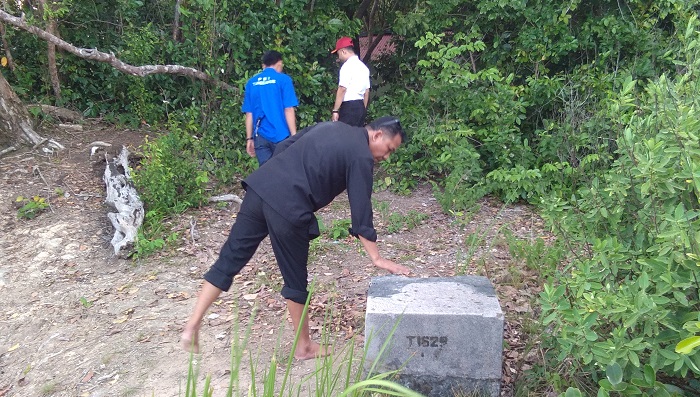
point(378, 261)
point(190, 335)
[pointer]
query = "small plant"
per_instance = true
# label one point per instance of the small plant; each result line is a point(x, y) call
point(536, 255)
point(30, 208)
point(86, 303)
point(48, 388)
point(381, 207)
point(339, 229)
point(397, 222)
point(148, 244)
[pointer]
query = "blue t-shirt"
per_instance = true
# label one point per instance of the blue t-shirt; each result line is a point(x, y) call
point(266, 96)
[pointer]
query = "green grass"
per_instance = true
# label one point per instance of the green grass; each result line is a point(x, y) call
point(340, 374)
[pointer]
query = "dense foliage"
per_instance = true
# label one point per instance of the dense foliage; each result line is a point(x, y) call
point(588, 109)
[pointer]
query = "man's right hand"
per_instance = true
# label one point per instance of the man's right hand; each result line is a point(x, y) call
point(250, 147)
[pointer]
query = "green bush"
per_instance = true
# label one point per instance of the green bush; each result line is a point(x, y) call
point(634, 282)
point(167, 179)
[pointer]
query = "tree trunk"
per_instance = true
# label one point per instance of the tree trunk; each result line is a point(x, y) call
point(176, 22)
point(51, 52)
point(15, 124)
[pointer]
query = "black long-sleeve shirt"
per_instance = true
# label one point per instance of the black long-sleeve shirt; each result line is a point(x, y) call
point(314, 166)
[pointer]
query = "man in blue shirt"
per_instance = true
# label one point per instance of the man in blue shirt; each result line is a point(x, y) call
point(268, 104)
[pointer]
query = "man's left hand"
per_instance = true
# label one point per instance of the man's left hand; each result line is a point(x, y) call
point(392, 267)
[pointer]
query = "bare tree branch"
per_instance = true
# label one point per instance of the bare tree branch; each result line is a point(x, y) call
point(362, 9)
point(95, 55)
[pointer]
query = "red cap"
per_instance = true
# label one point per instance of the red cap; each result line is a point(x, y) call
point(342, 43)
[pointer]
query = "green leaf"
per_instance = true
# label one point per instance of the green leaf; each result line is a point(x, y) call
point(649, 374)
point(614, 374)
point(643, 281)
point(622, 386)
point(605, 384)
point(687, 345)
point(634, 358)
point(680, 297)
point(572, 392)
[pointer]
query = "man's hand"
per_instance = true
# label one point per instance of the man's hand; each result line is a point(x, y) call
point(335, 116)
point(250, 147)
point(392, 267)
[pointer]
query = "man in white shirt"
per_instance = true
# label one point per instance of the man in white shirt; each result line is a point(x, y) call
point(352, 96)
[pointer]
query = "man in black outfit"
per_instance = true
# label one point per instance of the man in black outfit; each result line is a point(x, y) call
point(306, 173)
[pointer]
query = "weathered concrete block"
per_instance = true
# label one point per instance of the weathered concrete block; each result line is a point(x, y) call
point(447, 333)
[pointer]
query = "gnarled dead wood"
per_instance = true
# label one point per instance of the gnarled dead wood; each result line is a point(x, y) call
point(123, 197)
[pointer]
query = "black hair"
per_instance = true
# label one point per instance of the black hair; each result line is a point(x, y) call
point(389, 125)
point(271, 57)
point(351, 48)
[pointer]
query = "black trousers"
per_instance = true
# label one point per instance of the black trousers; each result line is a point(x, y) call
point(353, 113)
point(255, 220)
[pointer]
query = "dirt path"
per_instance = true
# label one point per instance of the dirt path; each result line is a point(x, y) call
point(76, 321)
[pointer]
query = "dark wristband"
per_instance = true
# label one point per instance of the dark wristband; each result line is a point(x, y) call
point(334, 111)
point(249, 139)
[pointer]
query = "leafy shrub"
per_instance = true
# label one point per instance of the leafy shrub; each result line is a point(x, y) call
point(633, 285)
point(168, 179)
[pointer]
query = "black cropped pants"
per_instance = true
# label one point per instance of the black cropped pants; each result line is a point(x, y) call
point(256, 220)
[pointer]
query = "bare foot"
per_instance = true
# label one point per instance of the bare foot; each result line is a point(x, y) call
point(189, 340)
point(313, 350)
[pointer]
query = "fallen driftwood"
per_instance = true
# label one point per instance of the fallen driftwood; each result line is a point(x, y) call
point(225, 197)
point(122, 196)
point(7, 150)
point(59, 113)
point(71, 127)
